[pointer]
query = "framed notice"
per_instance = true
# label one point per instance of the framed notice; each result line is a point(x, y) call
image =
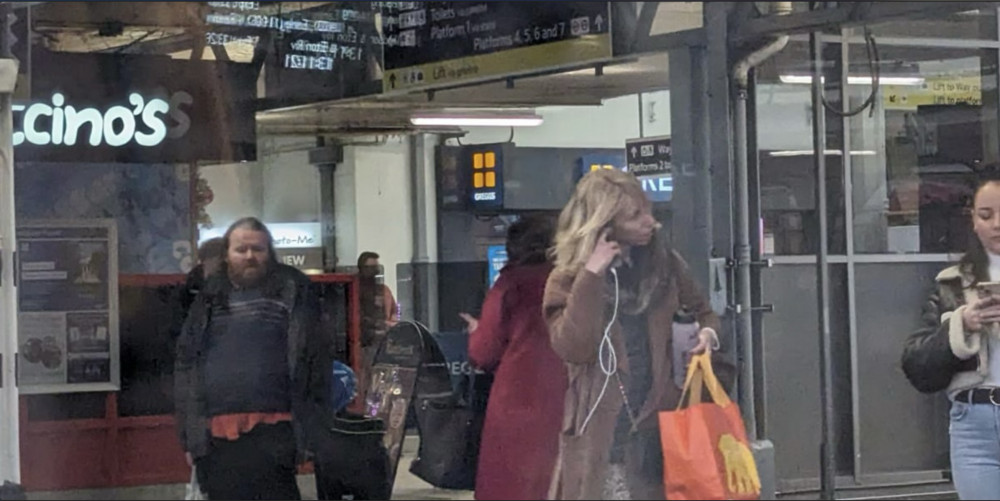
point(67, 306)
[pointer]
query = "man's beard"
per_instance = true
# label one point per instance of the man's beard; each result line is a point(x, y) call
point(241, 278)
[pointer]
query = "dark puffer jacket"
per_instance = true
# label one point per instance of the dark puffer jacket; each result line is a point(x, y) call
point(309, 359)
point(930, 361)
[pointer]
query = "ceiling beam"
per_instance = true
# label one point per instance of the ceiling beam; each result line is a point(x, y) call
point(845, 14)
point(644, 24)
point(667, 41)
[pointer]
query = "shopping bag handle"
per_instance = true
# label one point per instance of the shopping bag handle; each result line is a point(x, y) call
point(700, 374)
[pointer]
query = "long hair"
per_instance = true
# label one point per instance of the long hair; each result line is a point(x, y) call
point(219, 285)
point(529, 239)
point(600, 197)
point(365, 256)
point(975, 262)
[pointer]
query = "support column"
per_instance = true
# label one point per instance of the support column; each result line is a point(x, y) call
point(422, 304)
point(692, 176)
point(10, 446)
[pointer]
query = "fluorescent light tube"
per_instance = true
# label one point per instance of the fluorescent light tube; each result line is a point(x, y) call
point(803, 153)
point(477, 121)
point(857, 80)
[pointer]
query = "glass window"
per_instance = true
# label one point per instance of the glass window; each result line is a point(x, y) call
point(787, 173)
point(913, 158)
point(969, 25)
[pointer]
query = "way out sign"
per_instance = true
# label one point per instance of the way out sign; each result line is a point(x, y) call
point(649, 156)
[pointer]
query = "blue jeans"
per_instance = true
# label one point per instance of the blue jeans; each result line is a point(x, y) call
point(975, 450)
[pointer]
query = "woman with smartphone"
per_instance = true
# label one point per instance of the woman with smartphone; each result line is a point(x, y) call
point(957, 349)
point(610, 305)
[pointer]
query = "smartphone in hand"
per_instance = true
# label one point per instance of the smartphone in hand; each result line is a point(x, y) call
point(989, 290)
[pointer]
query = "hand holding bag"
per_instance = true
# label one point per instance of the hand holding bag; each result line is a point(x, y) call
point(705, 449)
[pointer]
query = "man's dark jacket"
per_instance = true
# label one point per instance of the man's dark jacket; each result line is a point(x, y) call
point(309, 358)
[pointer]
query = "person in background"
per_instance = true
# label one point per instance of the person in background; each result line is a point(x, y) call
point(957, 349)
point(520, 438)
point(252, 372)
point(378, 312)
point(379, 295)
point(211, 253)
point(344, 387)
point(610, 443)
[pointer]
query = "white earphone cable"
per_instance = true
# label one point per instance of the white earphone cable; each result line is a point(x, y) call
point(606, 356)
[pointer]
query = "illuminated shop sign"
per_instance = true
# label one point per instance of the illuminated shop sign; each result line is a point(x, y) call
point(658, 188)
point(141, 109)
point(295, 244)
point(144, 121)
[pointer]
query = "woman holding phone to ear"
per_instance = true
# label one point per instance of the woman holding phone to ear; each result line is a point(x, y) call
point(613, 330)
point(957, 348)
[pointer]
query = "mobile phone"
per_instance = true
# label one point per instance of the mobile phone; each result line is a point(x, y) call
point(989, 290)
point(610, 229)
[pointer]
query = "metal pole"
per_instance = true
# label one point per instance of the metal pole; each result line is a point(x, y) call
point(10, 448)
point(744, 296)
point(642, 120)
point(744, 310)
point(828, 443)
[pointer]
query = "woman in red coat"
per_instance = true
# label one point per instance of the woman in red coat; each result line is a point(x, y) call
point(520, 438)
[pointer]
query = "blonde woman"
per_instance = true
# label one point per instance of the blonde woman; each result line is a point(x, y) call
point(614, 332)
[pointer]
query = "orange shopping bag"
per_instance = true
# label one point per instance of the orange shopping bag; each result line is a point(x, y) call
point(705, 451)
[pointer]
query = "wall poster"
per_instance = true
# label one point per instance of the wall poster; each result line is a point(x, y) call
point(67, 306)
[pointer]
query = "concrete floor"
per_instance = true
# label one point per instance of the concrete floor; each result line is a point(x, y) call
point(407, 487)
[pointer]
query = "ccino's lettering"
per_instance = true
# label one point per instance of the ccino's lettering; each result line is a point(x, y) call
point(142, 121)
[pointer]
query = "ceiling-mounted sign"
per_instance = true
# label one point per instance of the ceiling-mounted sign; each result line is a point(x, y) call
point(485, 166)
point(315, 51)
point(434, 43)
point(649, 159)
point(649, 155)
point(94, 108)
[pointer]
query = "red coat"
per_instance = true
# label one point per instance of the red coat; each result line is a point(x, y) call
point(520, 439)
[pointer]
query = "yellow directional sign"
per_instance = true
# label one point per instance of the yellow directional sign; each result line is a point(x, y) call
point(950, 89)
point(498, 64)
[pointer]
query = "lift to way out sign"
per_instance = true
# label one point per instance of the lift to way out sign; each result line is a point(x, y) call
point(649, 156)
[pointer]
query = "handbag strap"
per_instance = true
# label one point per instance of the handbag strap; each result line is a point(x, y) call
point(629, 410)
point(701, 375)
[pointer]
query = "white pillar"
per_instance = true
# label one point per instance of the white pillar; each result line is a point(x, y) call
point(10, 448)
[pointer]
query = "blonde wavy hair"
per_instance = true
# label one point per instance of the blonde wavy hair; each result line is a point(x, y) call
point(601, 197)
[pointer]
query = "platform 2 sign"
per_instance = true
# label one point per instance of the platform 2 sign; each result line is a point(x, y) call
point(649, 156)
point(434, 43)
point(650, 159)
